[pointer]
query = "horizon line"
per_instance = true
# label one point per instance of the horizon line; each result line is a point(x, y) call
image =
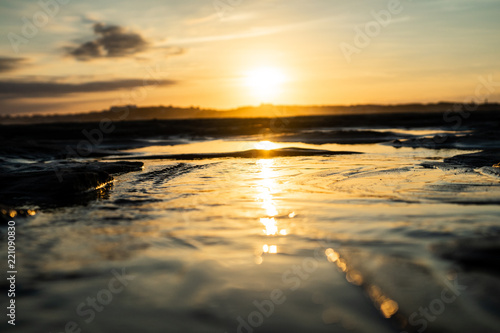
point(200, 108)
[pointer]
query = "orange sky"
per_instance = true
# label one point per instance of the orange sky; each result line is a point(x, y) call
point(73, 56)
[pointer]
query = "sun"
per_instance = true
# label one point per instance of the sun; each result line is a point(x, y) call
point(265, 82)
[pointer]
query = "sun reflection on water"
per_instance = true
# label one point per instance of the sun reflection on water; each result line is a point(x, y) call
point(271, 228)
point(267, 187)
point(269, 248)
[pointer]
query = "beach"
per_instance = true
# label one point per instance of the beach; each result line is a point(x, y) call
point(317, 224)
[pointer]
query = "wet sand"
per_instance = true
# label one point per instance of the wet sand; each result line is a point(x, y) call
point(359, 228)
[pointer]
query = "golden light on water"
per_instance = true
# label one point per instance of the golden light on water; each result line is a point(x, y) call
point(387, 306)
point(273, 249)
point(266, 189)
point(331, 255)
point(271, 228)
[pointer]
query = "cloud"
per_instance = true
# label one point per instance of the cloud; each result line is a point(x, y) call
point(113, 41)
point(22, 89)
point(254, 32)
point(10, 64)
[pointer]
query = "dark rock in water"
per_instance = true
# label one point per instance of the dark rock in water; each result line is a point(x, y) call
point(435, 142)
point(485, 158)
point(59, 183)
point(480, 138)
point(396, 143)
point(341, 137)
point(169, 172)
point(117, 167)
point(252, 153)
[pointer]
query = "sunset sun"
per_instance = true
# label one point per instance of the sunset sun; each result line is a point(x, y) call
point(265, 83)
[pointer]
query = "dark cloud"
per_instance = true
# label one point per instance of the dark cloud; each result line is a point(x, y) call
point(87, 51)
point(10, 64)
point(112, 41)
point(22, 89)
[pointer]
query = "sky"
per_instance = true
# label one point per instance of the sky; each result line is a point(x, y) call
point(67, 56)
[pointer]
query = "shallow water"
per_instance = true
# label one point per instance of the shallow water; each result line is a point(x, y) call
point(356, 243)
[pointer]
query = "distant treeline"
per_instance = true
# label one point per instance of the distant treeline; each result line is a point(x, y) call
point(133, 113)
